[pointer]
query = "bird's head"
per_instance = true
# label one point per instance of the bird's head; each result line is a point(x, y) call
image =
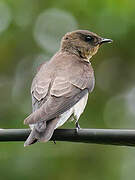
point(83, 43)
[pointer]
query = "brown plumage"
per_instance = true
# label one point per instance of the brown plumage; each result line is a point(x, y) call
point(61, 85)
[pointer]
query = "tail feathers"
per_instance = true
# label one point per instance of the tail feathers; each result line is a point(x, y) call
point(31, 139)
point(42, 136)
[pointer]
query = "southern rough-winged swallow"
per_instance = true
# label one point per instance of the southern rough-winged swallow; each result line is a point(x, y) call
point(61, 86)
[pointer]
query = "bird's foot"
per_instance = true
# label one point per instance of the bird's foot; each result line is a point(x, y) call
point(77, 126)
point(54, 141)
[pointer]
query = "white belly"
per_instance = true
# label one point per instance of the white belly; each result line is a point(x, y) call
point(77, 110)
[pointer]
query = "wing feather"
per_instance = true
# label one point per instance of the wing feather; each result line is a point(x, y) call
point(55, 106)
point(61, 87)
point(40, 88)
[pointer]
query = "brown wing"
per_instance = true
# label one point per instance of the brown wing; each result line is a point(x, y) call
point(63, 95)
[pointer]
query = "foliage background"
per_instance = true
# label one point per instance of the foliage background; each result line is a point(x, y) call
point(30, 33)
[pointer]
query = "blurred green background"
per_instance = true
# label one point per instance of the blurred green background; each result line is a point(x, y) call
point(30, 33)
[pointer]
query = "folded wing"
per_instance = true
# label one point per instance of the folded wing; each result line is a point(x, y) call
point(62, 96)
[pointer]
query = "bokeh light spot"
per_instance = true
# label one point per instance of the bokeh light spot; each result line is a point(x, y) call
point(25, 12)
point(50, 26)
point(5, 16)
point(130, 101)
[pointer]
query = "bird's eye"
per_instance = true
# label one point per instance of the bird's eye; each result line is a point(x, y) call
point(89, 39)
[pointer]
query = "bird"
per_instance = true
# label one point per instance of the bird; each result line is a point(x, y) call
point(61, 86)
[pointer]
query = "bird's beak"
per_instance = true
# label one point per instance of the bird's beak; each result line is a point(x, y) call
point(104, 40)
